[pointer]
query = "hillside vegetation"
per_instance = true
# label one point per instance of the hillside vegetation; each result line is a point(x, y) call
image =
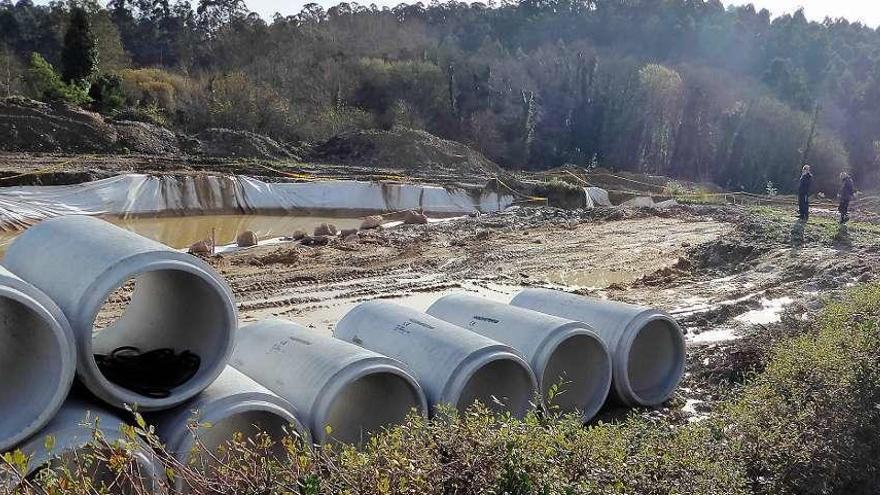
point(684, 88)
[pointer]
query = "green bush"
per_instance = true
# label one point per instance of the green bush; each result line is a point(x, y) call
point(151, 114)
point(107, 92)
point(45, 84)
point(810, 422)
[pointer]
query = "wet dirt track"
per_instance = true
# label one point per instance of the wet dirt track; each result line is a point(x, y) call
point(492, 256)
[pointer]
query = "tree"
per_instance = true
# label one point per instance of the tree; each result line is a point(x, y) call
point(10, 72)
point(45, 84)
point(79, 59)
point(108, 43)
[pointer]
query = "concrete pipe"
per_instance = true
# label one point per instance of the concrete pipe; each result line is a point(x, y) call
point(453, 365)
point(343, 392)
point(233, 404)
point(566, 355)
point(178, 303)
point(647, 346)
point(70, 436)
point(37, 359)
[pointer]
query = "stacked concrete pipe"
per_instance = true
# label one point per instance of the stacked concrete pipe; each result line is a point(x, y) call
point(344, 392)
point(37, 359)
point(233, 404)
point(179, 302)
point(453, 365)
point(647, 346)
point(571, 362)
point(71, 434)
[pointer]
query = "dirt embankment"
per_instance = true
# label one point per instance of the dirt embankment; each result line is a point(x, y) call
point(57, 144)
point(31, 126)
point(406, 150)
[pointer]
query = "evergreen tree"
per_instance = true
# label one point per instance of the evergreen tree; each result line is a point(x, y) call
point(79, 58)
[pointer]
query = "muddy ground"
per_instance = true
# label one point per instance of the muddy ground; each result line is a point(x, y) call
point(737, 278)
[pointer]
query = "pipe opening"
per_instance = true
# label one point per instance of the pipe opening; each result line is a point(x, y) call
point(171, 333)
point(502, 385)
point(578, 370)
point(655, 361)
point(368, 404)
point(250, 424)
point(30, 365)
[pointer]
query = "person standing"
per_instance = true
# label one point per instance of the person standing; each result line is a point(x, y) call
point(806, 183)
point(847, 190)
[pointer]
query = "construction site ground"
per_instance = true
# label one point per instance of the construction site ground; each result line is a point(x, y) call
point(736, 278)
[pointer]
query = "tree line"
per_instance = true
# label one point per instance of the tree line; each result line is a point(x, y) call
point(686, 88)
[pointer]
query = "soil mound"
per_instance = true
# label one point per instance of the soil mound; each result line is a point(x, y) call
point(31, 126)
point(405, 149)
point(27, 125)
point(242, 144)
point(141, 137)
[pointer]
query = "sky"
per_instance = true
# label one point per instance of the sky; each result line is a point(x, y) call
point(866, 11)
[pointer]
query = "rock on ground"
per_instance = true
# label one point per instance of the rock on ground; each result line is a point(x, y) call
point(325, 229)
point(415, 218)
point(247, 239)
point(201, 247)
point(371, 222)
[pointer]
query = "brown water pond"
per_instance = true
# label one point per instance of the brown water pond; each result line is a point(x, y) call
point(180, 232)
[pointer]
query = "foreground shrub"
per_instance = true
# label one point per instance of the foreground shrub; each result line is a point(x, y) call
point(808, 424)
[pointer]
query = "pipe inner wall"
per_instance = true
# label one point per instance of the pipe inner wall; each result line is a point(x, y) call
point(178, 302)
point(37, 360)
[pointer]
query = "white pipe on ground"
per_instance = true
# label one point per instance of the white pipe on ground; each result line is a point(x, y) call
point(233, 404)
point(453, 365)
point(178, 302)
point(571, 362)
point(647, 346)
point(343, 392)
point(37, 359)
point(70, 436)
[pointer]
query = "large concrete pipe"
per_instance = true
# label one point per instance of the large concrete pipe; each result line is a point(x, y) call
point(233, 404)
point(343, 392)
point(37, 359)
point(647, 346)
point(70, 436)
point(453, 365)
point(567, 356)
point(179, 304)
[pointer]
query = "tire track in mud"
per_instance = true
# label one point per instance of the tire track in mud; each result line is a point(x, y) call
point(418, 264)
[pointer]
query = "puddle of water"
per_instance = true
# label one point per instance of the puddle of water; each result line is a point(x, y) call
point(713, 336)
point(702, 307)
point(770, 312)
point(181, 232)
point(590, 279)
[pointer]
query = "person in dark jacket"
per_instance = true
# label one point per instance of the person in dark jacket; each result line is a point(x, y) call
point(847, 190)
point(804, 193)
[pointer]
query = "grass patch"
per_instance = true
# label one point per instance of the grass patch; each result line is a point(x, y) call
point(808, 423)
point(823, 229)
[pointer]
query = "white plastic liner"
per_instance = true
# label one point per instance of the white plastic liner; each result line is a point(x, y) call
point(597, 197)
point(139, 194)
